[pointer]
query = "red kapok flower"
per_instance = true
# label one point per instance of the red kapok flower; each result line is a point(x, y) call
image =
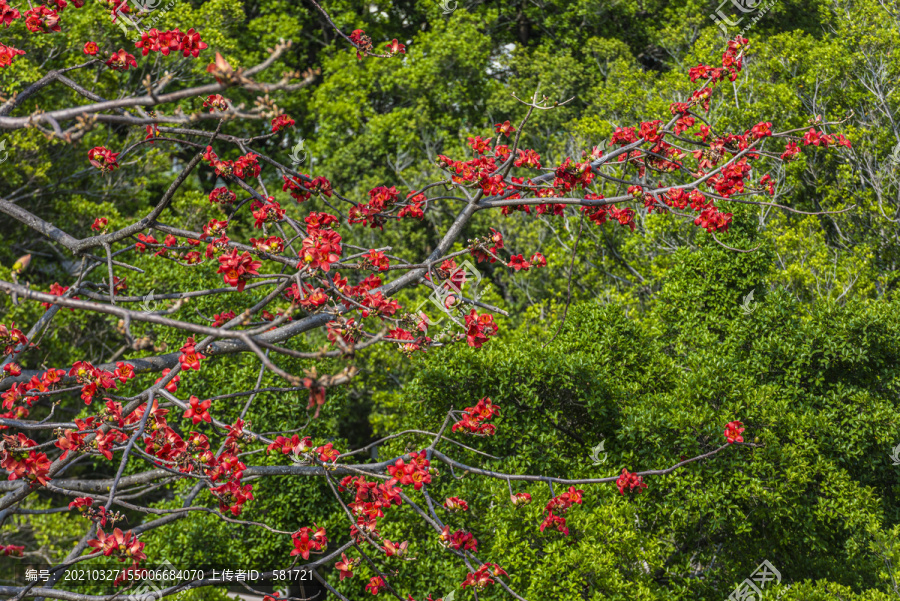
point(520, 498)
point(91, 48)
point(215, 102)
point(456, 504)
point(121, 61)
point(394, 47)
point(630, 481)
point(376, 583)
point(198, 411)
point(8, 14)
point(234, 267)
point(41, 19)
point(7, 54)
point(280, 122)
point(190, 358)
point(103, 158)
point(345, 566)
point(505, 128)
point(733, 432)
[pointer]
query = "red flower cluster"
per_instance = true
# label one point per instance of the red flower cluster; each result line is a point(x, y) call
point(520, 498)
point(518, 262)
point(272, 244)
point(411, 343)
point(121, 61)
point(474, 418)
point(235, 267)
point(232, 496)
point(309, 540)
point(280, 122)
point(11, 369)
point(57, 290)
point(20, 462)
point(459, 540)
point(569, 175)
point(124, 545)
point(93, 378)
point(266, 212)
point(479, 328)
point(370, 502)
point(8, 14)
point(294, 445)
point(14, 550)
point(378, 260)
point(11, 337)
point(222, 195)
point(630, 481)
point(327, 453)
point(244, 167)
point(189, 43)
point(557, 506)
point(496, 238)
point(41, 19)
point(97, 514)
point(733, 432)
point(381, 199)
point(378, 304)
point(301, 190)
point(415, 472)
point(482, 169)
point(215, 102)
point(8, 53)
point(322, 245)
point(362, 42)
point(482, 576)
point(343, 329)
point(103, 158)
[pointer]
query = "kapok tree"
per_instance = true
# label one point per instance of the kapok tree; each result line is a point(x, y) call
point(313, 281)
